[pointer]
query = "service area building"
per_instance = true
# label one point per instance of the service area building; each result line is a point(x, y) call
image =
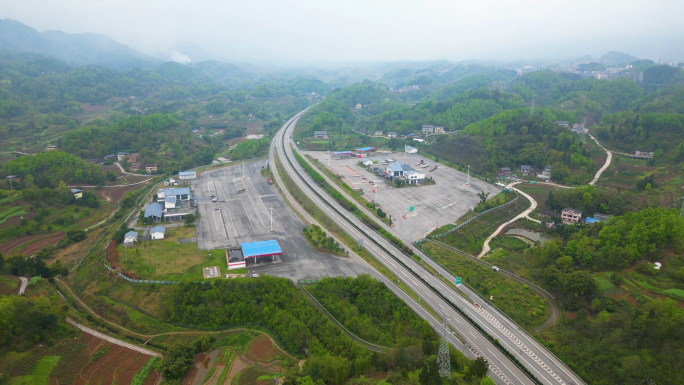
point(260, 252)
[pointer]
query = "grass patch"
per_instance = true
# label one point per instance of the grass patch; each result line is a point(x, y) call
point(100, 353)
point(34, 280)
point(168, 260)
point(43, 369)
point(209, 375)
point(603, 283)
point(676, 292)
point(13, 283)
point(518, 301)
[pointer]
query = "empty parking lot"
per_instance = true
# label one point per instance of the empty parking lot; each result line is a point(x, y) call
point(433, 205)
point(236, 208)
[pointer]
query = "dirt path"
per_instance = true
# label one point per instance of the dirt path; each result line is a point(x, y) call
point(524, 214)
point(24, 283)
point(609, 158)
point(113, 340)
point(80, 301)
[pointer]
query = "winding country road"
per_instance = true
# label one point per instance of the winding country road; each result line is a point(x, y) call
point(526, 213)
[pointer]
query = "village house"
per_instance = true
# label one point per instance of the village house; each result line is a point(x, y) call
point(428, 129)
point(526, 169)
point(571, 215)
point(439, 130)
point(392, 134)
point(320, 135)
point(150, 168)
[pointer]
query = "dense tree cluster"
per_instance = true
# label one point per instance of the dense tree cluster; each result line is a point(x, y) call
point(371, 311)
point(49, 168)
point(27, 321)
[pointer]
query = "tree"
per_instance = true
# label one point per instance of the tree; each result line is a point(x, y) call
point(479, 368)
point(483, 196)
point(430, 373)
point(580, 284)
point(189, 219)
point(487, 381)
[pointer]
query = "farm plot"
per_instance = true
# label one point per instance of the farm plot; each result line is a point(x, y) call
point(81, 362)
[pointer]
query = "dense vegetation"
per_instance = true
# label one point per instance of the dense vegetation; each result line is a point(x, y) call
point(27, 321)
point(371, 311)
point(50, 168)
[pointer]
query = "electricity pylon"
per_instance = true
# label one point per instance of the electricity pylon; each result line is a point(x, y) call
point(443, 359)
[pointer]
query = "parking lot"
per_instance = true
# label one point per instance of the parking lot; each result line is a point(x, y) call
point(433, 205)
point(229, 218)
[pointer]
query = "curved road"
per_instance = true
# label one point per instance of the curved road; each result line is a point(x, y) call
point(540, 362)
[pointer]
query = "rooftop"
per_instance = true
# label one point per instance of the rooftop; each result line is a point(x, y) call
point(256, 249)
point(75, 191)
point(365, 149)
point(131, 234)
point(177, 191)
point(410, 148)
point(187, 173)
point(158, 229)
point(573, 210)
point(153, 209)
point(170, 199)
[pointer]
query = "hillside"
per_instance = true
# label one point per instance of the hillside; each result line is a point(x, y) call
point(79, 49)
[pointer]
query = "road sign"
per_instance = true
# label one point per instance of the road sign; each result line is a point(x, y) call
point(410, 208)
point(458, 281)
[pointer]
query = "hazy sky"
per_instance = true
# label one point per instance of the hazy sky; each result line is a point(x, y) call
point(378, 30)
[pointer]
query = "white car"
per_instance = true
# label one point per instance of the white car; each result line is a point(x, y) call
point(255, 275)
point(495, 268)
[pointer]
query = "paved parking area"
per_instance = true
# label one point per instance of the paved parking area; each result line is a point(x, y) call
point(238, 217)
point(433, 206)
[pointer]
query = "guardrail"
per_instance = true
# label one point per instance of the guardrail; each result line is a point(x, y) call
point(301, 282)
point(506, 272)
point(492, 340)
point(441, 235)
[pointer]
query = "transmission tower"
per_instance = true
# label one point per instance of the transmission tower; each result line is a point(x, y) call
point(532, 108)
point(443, 359)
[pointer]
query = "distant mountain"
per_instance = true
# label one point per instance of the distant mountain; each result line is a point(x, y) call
point(617, 58)
point(79, 49)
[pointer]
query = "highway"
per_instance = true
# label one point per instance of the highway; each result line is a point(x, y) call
point(503, 371)
point(541, 363)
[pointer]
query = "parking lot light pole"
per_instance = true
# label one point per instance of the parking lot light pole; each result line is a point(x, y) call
point(271, 219)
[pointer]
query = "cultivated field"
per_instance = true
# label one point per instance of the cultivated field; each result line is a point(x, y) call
point(86, 360)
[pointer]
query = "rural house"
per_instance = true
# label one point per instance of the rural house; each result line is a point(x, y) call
point(571, 215)
point(157, 232)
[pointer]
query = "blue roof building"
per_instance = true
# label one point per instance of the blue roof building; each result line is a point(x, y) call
point(591, 220)
point(133, 234)
point(261, 249)
point(154, 211)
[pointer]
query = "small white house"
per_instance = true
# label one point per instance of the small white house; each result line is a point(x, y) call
point(130, 238)
point(391, 134)
point(157, 232)
point(368, 162)
point(186, 175)
point(411, 150)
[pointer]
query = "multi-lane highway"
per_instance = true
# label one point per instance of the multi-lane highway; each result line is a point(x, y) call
point(436, 294)
point(474, 343)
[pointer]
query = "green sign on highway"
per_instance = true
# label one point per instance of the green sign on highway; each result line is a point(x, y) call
point(458, 280)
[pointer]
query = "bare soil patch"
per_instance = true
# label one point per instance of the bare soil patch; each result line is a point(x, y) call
point(91, 108)
point(570, 315)
point(261, 349)
point(663, 297)
point(7, 247)
point(625, 297)
point(41, 243)
point(14, 221)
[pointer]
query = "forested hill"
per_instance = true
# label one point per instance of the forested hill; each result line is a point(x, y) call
point(79, 49)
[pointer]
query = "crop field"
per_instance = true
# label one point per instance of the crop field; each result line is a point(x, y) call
point(87, 360)
point(8, 285)
point(470, 237)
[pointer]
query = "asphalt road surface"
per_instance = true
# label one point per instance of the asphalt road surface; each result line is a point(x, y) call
point(236, 218)
point(547, 369)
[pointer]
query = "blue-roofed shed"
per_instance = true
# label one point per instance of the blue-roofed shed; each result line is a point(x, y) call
point(258, 252)
point(153, 212)
point(591, 220)
point(365, 149)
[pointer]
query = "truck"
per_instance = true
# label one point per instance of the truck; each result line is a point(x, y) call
point(419, 163)
point(433, 168)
